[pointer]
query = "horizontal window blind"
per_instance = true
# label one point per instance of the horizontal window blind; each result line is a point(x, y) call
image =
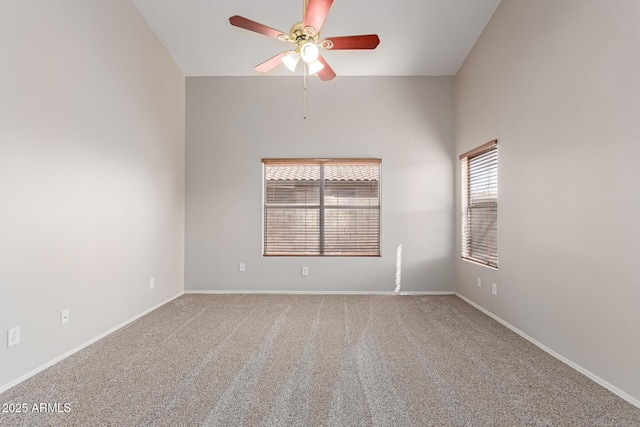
point(479, 170)
point(327, 207)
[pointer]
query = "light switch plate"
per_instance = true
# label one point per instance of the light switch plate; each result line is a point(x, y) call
point(64, 317)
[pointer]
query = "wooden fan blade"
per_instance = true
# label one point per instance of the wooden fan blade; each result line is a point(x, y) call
point(327, 72)
point(248, 24)
point(314, 17)
point(368, 41)
point(270, 64)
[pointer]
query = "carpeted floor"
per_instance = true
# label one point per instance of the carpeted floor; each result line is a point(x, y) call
point(315, 360)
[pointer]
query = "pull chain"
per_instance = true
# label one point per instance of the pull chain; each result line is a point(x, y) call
point(304, 100)
point(304, 73)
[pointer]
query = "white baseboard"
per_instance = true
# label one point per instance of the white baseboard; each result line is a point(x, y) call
point(432, 293)
point(227, 292)
point(586, 372)
point(39, 369)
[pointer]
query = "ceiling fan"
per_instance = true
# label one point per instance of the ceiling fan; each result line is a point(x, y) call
point(305, 36)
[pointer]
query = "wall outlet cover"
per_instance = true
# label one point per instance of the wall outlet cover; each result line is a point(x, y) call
point(13, 336)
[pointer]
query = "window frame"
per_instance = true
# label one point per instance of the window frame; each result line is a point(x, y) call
point(323, 206)
point(485, 250)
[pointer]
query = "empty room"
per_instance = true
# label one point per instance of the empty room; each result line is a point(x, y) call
point(320, 212)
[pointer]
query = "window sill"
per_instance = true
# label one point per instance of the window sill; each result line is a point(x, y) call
point(479, 263)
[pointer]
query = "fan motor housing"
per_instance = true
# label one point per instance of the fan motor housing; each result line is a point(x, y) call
point(298, 35)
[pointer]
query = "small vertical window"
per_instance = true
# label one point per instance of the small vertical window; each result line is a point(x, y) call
point(479, 168)
point(328, 207)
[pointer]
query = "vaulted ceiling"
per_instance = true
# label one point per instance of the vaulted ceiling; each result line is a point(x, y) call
point(418, 37)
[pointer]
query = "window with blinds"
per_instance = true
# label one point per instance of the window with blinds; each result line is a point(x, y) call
point(480, 204)
point(328, 207)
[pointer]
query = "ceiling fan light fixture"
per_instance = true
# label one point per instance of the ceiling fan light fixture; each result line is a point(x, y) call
point(290, 60)
point(309, 52)
point(305, 36)
point(315, 66)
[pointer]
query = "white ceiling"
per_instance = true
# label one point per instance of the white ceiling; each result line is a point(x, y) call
point(418, 37)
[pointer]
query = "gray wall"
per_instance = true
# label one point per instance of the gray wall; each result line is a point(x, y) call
point(91, 174)
point(232, 123)
point(556, 81)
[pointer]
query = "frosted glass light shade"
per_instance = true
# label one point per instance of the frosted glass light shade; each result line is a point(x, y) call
point(309, 52)
point(314, 67)
point(290, 60)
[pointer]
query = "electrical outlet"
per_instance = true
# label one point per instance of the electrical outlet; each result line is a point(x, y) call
point(64, 317)
point(494, 289)
point(13, 336)
point(479, 282)
point(152, 283)
point(305, 271)
point(243, 267)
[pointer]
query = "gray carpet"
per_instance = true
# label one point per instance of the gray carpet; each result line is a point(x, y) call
point(316, 360)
